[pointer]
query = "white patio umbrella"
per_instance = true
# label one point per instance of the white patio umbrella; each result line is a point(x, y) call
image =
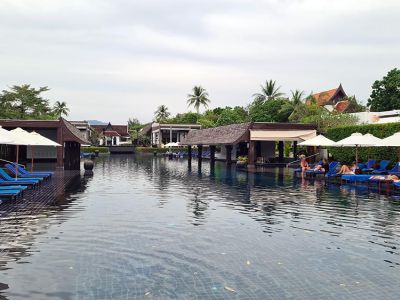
point(5, 137)
point(318, 141)
point(358, 140)
point(40, 140)
point(391, 141)
point(21, 137)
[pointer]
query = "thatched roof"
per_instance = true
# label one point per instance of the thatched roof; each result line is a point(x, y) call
point(223, 135)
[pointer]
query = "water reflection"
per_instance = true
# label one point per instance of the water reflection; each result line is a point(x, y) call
point(145, 226)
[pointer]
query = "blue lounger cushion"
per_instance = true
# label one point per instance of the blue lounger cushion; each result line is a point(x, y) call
point(20, 174)
point(13, 187)
point(24, 171)
point(356, 178)
point(7, 177)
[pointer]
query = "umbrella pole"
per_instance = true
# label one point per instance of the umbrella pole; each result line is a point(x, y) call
point(17, 165)
point(32, 150)
point(356, 156)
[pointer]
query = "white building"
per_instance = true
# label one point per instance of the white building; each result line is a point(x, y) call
point(161, 134)
point(381, 117)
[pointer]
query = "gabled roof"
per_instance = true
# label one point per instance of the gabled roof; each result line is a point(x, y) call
point(325, 97)
point(69, 132)
point(229, 134)
point(122, 130)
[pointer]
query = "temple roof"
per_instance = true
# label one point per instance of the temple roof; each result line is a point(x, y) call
point(121, 130)
point(326, 97)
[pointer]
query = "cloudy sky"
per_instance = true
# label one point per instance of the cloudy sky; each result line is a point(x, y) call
point(115, 59)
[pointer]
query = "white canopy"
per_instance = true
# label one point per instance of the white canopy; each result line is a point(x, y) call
point(391, 141)
point(172, 145)
point(5, 137)
point(43, 141)
point(22, 137)
point(12, 138)
point(281, 135)
point(318, 141)
point(358, 140)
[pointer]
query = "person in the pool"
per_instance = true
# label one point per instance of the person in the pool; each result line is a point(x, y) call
point(303, 165)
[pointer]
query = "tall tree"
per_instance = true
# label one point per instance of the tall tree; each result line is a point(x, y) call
point(60, 109)
point(386, 92)
point(198, 98)
point(297, 97)
point(269, 91)
point(24, 102)
point(162, 113)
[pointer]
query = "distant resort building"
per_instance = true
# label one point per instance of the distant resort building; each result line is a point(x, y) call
point(112, 135)
point(162, 134)
point(84, 128)
point(381, 117)
point(258, 141)
point(332, 100)
point(60, 131)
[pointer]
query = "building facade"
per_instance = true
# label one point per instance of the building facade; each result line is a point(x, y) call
point(162, 134)
point(112, 135)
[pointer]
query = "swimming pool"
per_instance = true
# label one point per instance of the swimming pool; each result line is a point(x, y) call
point(150, 228)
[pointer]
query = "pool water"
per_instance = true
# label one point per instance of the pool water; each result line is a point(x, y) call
point(151, 228)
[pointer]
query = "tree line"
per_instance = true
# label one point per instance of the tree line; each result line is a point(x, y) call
point(27, 103)
point(271, 105)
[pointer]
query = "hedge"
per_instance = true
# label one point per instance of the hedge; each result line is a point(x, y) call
point(347, 155)
point(93, 149)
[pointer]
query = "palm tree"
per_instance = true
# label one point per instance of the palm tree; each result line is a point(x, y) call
point(268, 92)
point(162, 113)
point(198, 98)
point(60, 109)
point(297, 97)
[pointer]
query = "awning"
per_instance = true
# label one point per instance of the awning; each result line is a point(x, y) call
point(282, 135)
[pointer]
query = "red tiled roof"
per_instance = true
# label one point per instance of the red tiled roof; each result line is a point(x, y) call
point(121, 130)
point(322, 98)
point(110, 133)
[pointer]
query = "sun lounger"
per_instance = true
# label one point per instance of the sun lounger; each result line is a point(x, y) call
point(17, 183)
point(382, 168)
point(24, 181)
point(395, 170)
point(313, 173)
point(370, 166)
point(10, 193)
point(24, 171)
point(356, 178)
point(25, 174)
point(13, 187)
point(4, 174)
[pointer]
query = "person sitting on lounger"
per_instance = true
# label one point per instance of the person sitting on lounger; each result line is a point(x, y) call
point(393, 178)
point(323, 166)
point(303, 165)
point(346, 170)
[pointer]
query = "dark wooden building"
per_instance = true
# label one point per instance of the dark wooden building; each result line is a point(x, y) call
point(257, 141)
point(60, 131)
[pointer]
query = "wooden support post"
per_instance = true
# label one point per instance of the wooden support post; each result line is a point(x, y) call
point(228, 149)
point(280, 150)
point(189, 149)
point(251, 157)
point(60, 150)
point(212, 155)
point(295, 149)
point(200, 154)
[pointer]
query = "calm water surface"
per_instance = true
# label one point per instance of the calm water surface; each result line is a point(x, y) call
point(149, 228)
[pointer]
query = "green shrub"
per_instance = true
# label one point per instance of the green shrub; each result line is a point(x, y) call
point(93, 149)
point(347, 154)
